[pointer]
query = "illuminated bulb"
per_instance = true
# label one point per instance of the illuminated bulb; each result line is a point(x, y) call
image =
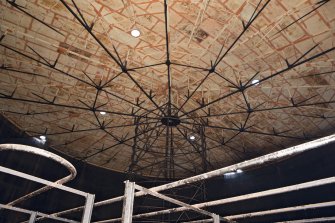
point(255, 82)
point(103, 113)
point(135, 33)
point(232, 173)
point(229, 173)
point(192, 137)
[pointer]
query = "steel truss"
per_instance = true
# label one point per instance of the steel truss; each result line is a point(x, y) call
point(168, 118)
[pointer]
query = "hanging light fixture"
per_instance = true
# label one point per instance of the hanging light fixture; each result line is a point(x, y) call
point(255, 82)
point(135, 33)
point(191, 137)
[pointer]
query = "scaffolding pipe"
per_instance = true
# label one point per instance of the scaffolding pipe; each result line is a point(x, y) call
point(128, 202)
point(177, 202)
point(216, 218)
point(310, 220)
point(282, 210)
point(200, 221)
point(89, 197)
point(25, 211)
point(295, 187)
point(32, 217)
point(46, 154)
point(246, 164)
point(251, 163)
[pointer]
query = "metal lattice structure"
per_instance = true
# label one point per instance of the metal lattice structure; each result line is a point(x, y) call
point(243, 78)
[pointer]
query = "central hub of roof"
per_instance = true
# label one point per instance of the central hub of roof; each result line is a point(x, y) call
point(170, 121)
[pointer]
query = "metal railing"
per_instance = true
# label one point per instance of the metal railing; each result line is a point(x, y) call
point(86, 217)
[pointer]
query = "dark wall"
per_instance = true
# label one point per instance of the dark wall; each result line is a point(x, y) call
point(312, 165)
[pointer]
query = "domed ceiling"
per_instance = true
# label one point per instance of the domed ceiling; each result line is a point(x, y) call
point(207, 83)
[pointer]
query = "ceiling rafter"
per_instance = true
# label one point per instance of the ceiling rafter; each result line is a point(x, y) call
point(156, 121)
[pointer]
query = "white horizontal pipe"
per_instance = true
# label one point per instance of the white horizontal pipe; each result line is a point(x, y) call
point(8, 207)
point(310, 220)
point(250, 163)
point(282, 210)
point(270, 192)
point(174, 201)
point(200, 221)
point(46, 154)
point(296, 187)
point(253, 162)
point(41, 181)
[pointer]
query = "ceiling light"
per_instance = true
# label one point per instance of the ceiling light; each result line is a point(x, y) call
point(43, 138)
point(135, 33)
point(255, 82)
point(103, 113)
point(192, 137)
point(233, 172)
point(229, 173)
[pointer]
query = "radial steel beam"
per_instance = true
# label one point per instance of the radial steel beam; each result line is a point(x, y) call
point(44, 62)
point(245, 87)
point(73, 8)
point(220, 57)
point(244, 129)
point(254, 110)
point(168, 62)
point(146, 66)
point(319, 3)
point(52, 103)
point(117, 60)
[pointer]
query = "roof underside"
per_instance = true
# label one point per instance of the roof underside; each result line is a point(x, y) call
point(63, 62)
